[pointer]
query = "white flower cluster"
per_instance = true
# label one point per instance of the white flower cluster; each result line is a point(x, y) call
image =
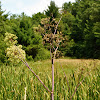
point(10, 39)
point(13, 52)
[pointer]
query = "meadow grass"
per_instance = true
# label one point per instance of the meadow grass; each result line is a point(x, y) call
point(18, 83)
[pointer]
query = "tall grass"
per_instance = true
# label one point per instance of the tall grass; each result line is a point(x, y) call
point(18, 83)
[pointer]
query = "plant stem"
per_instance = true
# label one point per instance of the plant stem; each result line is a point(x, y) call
point(36, 76)
point(57, 25)
point(52, 93)
point(25, 62)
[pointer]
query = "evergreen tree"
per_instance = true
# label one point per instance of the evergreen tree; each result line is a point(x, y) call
point(53, 10)
point(3, 18)
point(85, 31)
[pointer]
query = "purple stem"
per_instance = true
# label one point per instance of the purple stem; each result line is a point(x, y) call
point(25, 62)
point(57, 25)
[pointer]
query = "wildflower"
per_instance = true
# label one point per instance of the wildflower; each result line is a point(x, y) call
point(10, 39)
point(13, 52)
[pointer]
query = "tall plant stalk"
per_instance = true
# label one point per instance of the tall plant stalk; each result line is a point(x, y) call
point(53, 50)
point(52, 93)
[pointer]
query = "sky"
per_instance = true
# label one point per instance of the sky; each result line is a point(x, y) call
point(29, 7)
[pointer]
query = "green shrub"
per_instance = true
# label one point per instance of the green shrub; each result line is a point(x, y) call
point(2, 50)
point(29, 57)
point(42, 54)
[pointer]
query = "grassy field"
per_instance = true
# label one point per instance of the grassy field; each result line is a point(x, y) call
point(18, 83)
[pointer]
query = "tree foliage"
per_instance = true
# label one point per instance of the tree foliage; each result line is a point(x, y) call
point(52, 10)
point(85, 28)
point(79, 26)
point(3, 20)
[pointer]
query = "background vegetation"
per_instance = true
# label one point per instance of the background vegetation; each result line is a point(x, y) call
point(79, 26)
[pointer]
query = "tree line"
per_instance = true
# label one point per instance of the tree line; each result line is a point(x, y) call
point(79, 27)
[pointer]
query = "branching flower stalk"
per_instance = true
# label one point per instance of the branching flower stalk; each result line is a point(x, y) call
point(53, 54)
point(52, 37)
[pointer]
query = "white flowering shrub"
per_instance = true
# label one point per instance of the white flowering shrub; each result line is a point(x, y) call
point(13, 52)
